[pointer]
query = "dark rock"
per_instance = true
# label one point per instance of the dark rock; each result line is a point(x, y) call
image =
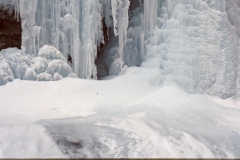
point(10, 30)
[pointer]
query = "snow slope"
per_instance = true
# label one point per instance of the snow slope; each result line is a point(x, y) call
point(132, 115)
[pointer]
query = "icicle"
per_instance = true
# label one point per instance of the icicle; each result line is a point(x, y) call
point(28, 21)
point(150, 15)
point(120, 22)
point(170, 7)
point(115, 6)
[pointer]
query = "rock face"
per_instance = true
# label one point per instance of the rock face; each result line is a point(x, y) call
point(10, 30)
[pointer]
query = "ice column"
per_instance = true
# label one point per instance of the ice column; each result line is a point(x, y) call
point(27, 12)
point(120, 22)
point(150, 15)
point(91, 35)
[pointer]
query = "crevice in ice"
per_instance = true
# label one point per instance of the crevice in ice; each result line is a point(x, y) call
point(10, 29)
point(119, 50)
point(69, 58)
point(106, 37)
point(102, 69)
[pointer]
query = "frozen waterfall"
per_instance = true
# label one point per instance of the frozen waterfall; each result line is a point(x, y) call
point(194, 43)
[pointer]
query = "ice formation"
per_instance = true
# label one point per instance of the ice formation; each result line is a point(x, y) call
point(195, 43)
point(50, 65)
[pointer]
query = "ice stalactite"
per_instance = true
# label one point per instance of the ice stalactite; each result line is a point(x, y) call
point(134, 48)
point(120, 10)
point(194, 43)
point(91, 36)
point(150, 15)
point(28, 23)
point(107, 14)
point(74, 27)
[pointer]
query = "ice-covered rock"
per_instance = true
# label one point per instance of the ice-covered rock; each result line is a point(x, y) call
point(51, 53)
point(59, 66)
point(57, 77)
point(45, 77)
point(17, 61)
point(50, 65)
point(40, 64)
point(116, 67)
point(6, 74)
point(30, 74)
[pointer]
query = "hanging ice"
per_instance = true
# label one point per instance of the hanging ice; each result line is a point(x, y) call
point(194, 43)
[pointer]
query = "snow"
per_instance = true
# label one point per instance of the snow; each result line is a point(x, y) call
point(51, 53)
point(134, 115)
point(182, 99)
point(6, 74)
point(195, 43)
point(58, 66)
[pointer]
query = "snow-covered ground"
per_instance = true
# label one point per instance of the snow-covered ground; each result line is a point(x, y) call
point(132, 115)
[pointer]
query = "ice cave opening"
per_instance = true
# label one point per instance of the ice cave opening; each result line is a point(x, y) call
point(108, 56)
point(102, 70)
point(10, 29)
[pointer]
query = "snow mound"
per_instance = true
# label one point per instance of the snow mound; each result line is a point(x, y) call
point(57, 77)
point(59, 66)
point(51, 53)
point(17, 61)
point(49, 65)
point(30, 74)
point(6, 74)
point(73, 75)
point(40, 64)
point(45, 77)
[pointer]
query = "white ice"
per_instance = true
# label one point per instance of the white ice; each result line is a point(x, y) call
point(16, 65)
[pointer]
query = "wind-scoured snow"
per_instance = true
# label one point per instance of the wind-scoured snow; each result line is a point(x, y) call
point(132, 115)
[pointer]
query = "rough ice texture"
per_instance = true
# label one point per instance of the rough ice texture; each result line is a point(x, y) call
point(51, 53)
point(195, 43)
point(49, 66)
point(58, 66)
point(197, 47)
point(6, 74)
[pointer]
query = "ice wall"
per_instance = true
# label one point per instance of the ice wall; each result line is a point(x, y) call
point(197, 45)
point(72, 26)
